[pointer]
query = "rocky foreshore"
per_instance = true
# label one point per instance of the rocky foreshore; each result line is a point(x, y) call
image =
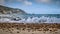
point(36, 26)
point(15, 28)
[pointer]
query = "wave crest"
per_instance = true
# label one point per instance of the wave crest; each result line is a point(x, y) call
point(42, 19)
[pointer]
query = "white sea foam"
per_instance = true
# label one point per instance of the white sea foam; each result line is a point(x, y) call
point(33, 20)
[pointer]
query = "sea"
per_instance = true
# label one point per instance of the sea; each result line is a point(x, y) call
point(31, 18)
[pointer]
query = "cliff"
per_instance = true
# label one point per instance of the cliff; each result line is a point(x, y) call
point(8, 10)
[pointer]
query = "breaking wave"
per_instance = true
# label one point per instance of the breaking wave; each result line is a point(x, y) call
point(41, 19)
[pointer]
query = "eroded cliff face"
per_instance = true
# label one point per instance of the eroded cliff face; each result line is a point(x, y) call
point(8, 10)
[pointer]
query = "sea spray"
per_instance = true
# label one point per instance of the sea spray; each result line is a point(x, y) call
point(30, 19)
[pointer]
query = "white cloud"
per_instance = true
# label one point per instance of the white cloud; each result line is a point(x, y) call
point(27, 3)
point(2, 2)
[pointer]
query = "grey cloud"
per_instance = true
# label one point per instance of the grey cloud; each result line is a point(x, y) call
point(43, 1)
point(49, 1)
point(2, 2)
point(25, 2)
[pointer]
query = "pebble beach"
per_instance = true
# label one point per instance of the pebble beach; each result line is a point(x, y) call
point(29, 28)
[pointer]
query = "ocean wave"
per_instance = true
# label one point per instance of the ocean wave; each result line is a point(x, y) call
point(41, 19)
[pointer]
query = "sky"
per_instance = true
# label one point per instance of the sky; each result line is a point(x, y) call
point(34, 6)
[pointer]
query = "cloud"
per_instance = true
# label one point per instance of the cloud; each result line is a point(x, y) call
point(27, 3)
point(2, 2)
point(19, 0)
point(43, 1)
point(48, 1)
